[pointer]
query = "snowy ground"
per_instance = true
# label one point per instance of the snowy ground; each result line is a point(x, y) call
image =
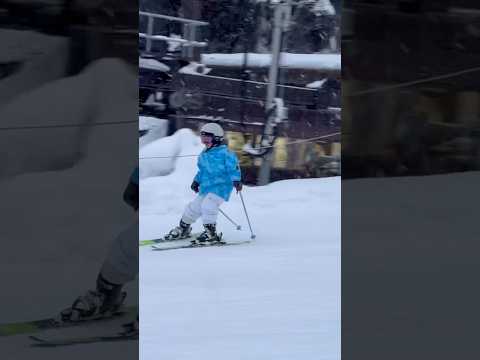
point(410, 255)
point(56, 230)
point(278, 298)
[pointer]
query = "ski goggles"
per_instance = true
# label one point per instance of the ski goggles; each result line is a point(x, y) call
point(203, 133)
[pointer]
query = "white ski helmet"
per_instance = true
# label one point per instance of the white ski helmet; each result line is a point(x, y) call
point(213, 128)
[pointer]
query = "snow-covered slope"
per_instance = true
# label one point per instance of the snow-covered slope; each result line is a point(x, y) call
point(278, 298)
point(57, 225)
point(410, 249)
point(49, 257)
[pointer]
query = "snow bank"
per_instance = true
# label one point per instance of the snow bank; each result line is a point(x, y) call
point(157, 128)
point(159, 157)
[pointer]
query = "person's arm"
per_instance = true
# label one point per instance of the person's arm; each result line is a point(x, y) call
point(131, 194)
point(233, 170)
point(196, 180)
point(197, 176)
point(195, 186)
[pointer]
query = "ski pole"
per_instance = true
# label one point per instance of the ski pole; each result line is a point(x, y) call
point(246, 214)
point(233, 222)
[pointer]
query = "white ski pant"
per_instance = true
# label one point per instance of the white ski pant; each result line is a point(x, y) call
point(206, 206)
point(121, 263)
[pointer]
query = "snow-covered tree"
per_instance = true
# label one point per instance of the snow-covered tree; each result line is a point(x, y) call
point(313, 24)
point(246, 25)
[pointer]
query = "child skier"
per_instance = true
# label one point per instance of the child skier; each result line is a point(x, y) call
point(218, 173)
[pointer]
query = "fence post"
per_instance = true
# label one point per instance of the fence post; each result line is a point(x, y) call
point(149, 33)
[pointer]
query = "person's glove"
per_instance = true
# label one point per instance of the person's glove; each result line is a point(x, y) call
point(237, 185)
point(195, 186)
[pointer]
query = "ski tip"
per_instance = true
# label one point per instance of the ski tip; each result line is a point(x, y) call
point(27, 327)
point(146, 242)
point(36, 338)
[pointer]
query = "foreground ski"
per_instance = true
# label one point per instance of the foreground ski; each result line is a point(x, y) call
point(163, 240)
point(35, 326)
point(193, 246)
point(75, 340)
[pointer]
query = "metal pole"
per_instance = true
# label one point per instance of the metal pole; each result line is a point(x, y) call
point(173, 18)
point(281, 18)
point(186, 36)
point(252, 236)
point(233, 222)
point(179, 40)
point(148, 46)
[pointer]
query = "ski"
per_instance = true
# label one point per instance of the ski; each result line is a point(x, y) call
point(76, 340)
point(163, 240)
point(35, 326)
point(194, 246)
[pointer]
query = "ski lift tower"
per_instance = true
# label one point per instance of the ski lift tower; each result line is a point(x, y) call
point(283, 11)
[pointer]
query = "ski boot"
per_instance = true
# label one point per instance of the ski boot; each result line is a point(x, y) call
point(103, 302)
point(208, 236)
point(130, 329)
point(182, 231)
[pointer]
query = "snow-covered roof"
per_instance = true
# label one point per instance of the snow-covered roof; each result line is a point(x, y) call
point(316, 84)
point(152, 64)
point(287, 60)
point(323, 7)
point(195, 69)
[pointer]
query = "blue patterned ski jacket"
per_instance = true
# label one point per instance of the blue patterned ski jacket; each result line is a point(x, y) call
point(218, 168)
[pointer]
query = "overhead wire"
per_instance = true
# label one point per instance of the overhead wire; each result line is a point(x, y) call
point(313, 139)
